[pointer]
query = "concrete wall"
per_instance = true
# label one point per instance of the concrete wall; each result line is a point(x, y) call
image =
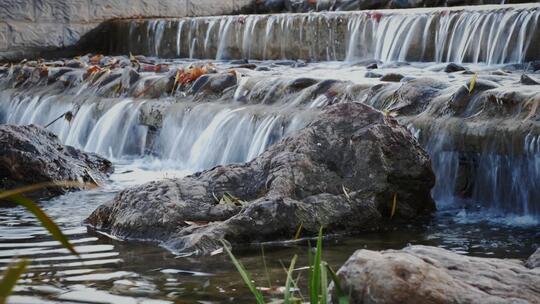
point(31, 28)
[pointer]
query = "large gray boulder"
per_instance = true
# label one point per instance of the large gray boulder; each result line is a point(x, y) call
point(31, 155)
point(424, 274)
point(340, 172)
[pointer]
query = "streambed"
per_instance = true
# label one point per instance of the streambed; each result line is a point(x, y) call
point(114, 271)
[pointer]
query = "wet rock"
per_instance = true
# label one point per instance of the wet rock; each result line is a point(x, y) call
point(249, 66)
point(500, 73)
point(270, 6)
point(527, 80)
point(313, 178)
point(75, 64)
point(239, 61)
point(413, 97)
point(452, 67)
point(300, 64)
point(302, 83)
point(372, 75)
point(213, 83)
point(534, 259)
point(262, 68)
point(372, 66)
point(30, 155)
point(285, 63)
point(423, 274)
point(392, 77)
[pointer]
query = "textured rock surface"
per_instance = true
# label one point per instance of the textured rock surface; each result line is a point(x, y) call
point(534, 259)
point(341, 172)
point(31, 155)
point(422, 274)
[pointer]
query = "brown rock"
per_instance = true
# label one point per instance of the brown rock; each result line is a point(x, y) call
point(423, 274)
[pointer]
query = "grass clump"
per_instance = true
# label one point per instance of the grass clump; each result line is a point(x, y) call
point(319, 275)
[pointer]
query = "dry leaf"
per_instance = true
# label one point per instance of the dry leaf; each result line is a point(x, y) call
point(394, 206)
point(473, 82)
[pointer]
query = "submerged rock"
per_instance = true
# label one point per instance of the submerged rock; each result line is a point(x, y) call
point(423, 274)
point(30, 155)
point(341, 172)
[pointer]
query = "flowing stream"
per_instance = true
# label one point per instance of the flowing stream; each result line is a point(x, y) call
point(497, 215)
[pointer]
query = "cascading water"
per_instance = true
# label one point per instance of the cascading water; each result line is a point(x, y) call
point(131, 113)
point(194, 136)
point(489, 34)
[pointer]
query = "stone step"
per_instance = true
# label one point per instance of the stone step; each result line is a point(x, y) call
point(490, 34)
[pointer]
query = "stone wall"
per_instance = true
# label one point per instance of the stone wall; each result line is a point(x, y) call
point(31, 28)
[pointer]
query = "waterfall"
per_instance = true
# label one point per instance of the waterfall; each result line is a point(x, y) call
point(193, 136)
point(114, 132)
point(489, 34)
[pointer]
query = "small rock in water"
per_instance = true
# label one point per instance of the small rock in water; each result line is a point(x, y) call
point(371, 74)
point(240, 61)
point(300, 64)
point(452, 67)
point(262, 68)
point(372, 66)
point(392, 77)
point(285, 62)
point(527, 80)
point(250, 66)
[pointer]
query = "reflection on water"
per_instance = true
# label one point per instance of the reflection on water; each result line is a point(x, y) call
point(111, 271)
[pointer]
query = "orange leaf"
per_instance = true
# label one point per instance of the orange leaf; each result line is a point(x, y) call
point(93, 69)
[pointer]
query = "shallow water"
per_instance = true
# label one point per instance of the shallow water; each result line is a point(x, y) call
point(114, 271)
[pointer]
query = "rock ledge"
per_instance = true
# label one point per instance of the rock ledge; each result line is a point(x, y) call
point(340, 172)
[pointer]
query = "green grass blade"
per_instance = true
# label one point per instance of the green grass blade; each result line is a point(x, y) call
point(342, 297)
point(289, 281)
point(45, 221)
point(67, 184)
point(324, 283)
point(315, 279)
point(266, 273)
point(245, 276)
point(10, 278)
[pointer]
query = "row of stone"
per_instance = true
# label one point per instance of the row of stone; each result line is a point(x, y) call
point(302, 6)
point(31, 28)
